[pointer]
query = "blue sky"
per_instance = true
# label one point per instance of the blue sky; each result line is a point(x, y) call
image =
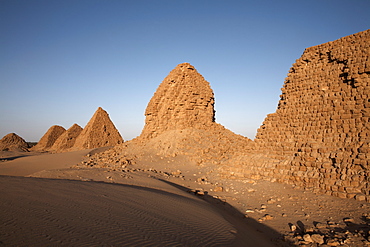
point(61, 60)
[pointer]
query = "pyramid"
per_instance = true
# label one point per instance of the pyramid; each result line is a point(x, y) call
point(48, 139)
point(99, 132)
point(67, 139)
point(319, 136)
point(180, 120)
point(183, 100)
point(13, 142)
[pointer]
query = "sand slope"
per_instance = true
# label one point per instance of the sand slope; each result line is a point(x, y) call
point(24, 166)
point(49, 212)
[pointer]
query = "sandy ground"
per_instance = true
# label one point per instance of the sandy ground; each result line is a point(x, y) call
point(163, 201)
point(88, 207)
point(26, 163)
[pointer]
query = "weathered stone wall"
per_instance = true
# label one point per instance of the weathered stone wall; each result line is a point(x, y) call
point(183, 100)
point(319, 136)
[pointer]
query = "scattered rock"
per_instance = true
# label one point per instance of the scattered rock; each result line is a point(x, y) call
point(218, 189)
point(271, 201)
point(320, 225)
point(317, 238)
point(307, 238)
point(176, 173)
point(266, 217)
point(349, 220)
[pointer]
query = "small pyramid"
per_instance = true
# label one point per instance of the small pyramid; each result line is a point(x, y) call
point(99, 132)
point(48, 139)
point(13, 142)
point(67, 139)
point(183, 100)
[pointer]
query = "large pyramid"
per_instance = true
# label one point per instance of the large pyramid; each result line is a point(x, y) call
point(13, 142)
point(48, 139)
point(180, 121)
point(67, 139)
point(183, 100)
point(99, 132)
point(319, 136)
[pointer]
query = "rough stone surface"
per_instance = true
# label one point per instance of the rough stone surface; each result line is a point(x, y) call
point(319, 136)
point(183, 100)
point(13, 142)
point(99, 132)
point(66, 140)
point(180, 120)
point(48, 139)
point(318, 139)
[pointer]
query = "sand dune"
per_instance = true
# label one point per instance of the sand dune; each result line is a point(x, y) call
point(47, 212)
point(136, 210)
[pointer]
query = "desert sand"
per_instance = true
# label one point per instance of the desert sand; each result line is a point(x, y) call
point(59, 199)
point(98, 207)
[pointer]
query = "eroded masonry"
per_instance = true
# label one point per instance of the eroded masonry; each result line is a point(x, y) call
point(319, 136)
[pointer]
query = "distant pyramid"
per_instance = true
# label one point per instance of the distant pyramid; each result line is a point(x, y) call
point(67, 139)
point(99, 132)
point(13, 142)
point(48, 139)
point(183, 100)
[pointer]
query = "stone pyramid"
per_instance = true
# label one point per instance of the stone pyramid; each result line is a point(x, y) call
point(99, 132)
point(13, 142)
point(48, 139)
point(67, 139)
point(319, 136)
point(183, 100)
point(180, 120)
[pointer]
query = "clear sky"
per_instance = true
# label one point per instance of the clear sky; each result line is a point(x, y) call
point(61, 60)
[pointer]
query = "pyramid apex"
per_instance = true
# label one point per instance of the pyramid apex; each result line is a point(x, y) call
point(100, 109)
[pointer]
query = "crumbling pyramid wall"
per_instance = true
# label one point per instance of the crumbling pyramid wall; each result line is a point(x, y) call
point(99, 132)
point(183, 100)
point(49, 138)
point(180, 121)
point(319, 136)
point(67, 140)
point(13, 142)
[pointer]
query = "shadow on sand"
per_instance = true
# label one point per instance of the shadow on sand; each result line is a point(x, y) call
point(236, 218)
point(245, 227)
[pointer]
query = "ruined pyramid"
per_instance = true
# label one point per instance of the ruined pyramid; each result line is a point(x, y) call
point(319, 136)
point(183, 100)
point(180, 120)
point(48, 139)
point(99, 132)
point(67, 139)
point(13, 142)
